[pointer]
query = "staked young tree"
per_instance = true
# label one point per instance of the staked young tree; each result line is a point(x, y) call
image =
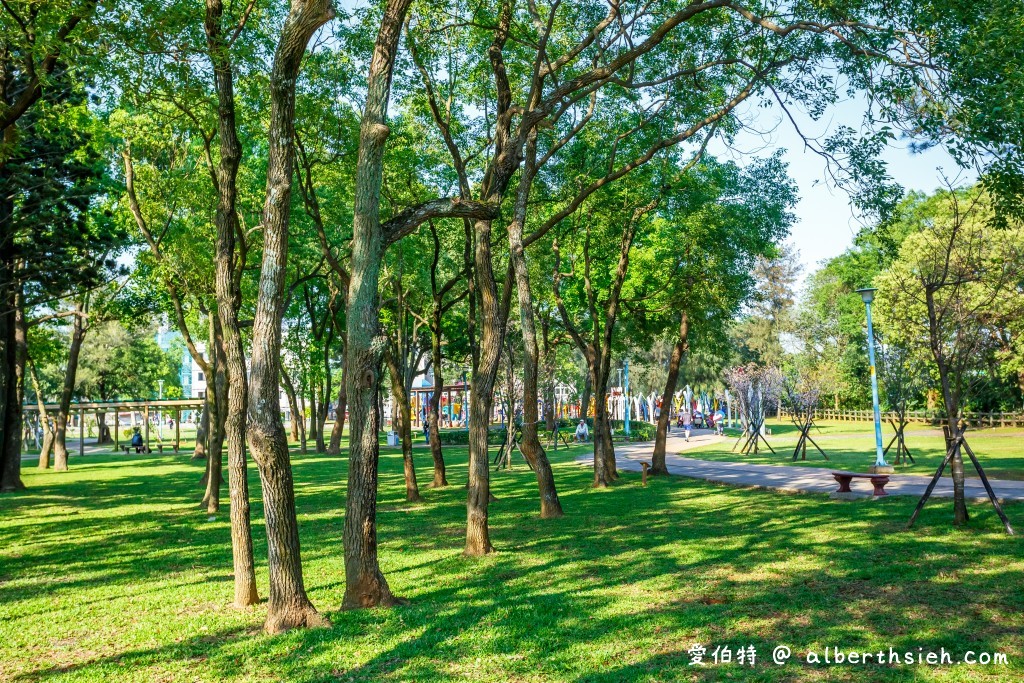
point(940, 296)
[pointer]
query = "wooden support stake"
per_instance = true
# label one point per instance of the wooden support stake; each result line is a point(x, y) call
point(644, 465)
point(935, 480)
point(177, 429)
point(117, 425)
point(81, 432)
point(145, 416)
point(988, 489)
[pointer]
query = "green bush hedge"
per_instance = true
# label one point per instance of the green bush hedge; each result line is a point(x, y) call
point(638, 431)
point(460, 437)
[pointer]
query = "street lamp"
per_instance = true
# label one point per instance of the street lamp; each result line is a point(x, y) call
point(868, 295)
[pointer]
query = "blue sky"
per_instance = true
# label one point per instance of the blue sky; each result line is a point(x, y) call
point(826, 224)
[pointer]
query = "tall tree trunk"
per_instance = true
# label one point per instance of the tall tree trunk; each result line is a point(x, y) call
point(293, 406)
point(678, 349)
point(60, 448)
point(334, 447)
point(602, 430)
point(16, 352)
point(952, 404)
point(314, 417)
point(365, 585)
point(550, 505)
point(217, 386)
point(203, 429)
point(228, 270)
point(478, 541)
point(440, 479)
point(588, 387)
point(287, 606)
point(403, 413)
point(44, 419)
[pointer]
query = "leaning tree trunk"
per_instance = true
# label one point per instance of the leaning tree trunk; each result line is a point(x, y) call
point(403, 416)
point(293, 404)
point(478, 540)
point(658, 458)
point(215, 456)
point(365, 585)
point(60, 448)
point(287, 606)
point(585, 400)
point(550, 505)
point(228, 302)
point(44, 419)
point(440, 479)
point(334, 447)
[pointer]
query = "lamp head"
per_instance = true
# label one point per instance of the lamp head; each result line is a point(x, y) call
point(867, 294)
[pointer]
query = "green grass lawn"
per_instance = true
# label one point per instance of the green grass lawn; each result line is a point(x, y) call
point(110, 572)
point(851, 446)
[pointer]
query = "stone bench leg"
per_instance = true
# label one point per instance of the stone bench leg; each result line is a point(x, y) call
point(844, 483)
point(879, 484)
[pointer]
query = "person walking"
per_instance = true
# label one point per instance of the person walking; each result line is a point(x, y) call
point(687, 418)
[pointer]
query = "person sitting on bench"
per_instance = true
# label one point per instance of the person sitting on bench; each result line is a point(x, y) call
point(582, 433)
point(137, 443)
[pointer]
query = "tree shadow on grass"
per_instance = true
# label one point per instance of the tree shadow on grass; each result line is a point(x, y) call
point(616, 590)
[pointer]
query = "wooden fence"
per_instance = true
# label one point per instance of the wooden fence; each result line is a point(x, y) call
point(929, 417)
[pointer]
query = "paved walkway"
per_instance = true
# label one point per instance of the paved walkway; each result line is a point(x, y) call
point(789, 478)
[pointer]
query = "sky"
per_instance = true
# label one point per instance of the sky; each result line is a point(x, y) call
point(825, 222)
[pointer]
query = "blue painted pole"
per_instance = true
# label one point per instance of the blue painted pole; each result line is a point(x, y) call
point(879, 457)
point(625, 392)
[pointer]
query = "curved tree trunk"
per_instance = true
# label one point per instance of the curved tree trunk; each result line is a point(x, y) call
point(550, 505)
point(287, 606)
point(658, 458)
point(60, 448)
point(403, 418)
point(46, 449)
point(478, 540)
point(365, 585)
point(334, 447)
point(218, 387)
point(228, 269)
point(440, 478)
point(293, 404)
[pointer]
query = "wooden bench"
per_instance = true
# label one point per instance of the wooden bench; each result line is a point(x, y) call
point(877, 480)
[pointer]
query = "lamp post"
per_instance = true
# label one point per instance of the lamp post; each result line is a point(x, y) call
point(868, 295)
point(625, 394)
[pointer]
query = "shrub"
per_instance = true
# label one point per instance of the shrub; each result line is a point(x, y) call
point(638, 431)
point(460, 437)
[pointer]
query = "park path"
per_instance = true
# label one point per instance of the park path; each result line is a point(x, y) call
point(788, 478)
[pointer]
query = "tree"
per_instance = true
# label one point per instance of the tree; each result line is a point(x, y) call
point(759, 333)
point(288, 606)
point(941, 294)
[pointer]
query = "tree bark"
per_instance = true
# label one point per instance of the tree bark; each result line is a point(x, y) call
point(287, 606)
point(60, 449)
point(678, 350)
point(550, 505)
point(46, 449)
point(217, 386)
point(440, 478)
point(229, 266)
point(365, 585)
point(16, 353)
point(334, 447)
point(478, 541)
point(296, 422)
point(403, 417)
point(952, 404)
